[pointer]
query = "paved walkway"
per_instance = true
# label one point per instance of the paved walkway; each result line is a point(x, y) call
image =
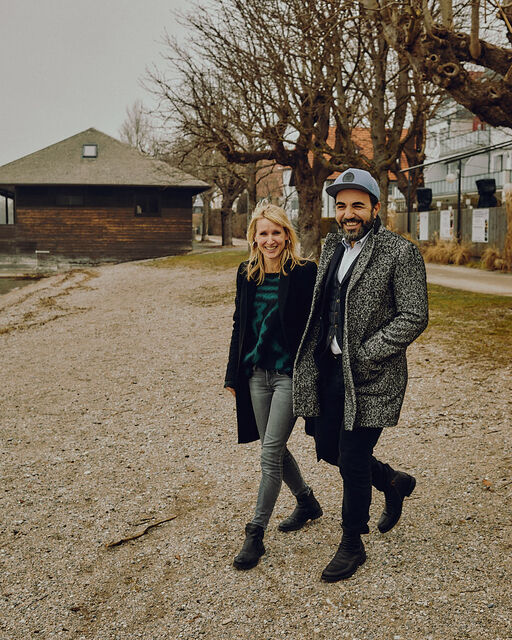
point(467, 279)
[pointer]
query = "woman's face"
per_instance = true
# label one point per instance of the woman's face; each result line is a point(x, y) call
point(270, 238)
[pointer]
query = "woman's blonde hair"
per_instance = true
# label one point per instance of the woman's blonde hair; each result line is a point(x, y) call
point(256, 265)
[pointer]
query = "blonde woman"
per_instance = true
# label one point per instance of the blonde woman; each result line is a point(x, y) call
point(273, 297)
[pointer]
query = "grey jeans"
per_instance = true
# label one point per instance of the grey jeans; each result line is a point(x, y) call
point(271, 396)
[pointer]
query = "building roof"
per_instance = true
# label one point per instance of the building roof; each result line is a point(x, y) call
point(116, 164)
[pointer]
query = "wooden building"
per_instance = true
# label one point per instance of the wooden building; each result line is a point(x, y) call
point(91, 198)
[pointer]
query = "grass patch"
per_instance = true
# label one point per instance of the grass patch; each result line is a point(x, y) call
point(477, 326)
point(216, 259)
point(210, 296)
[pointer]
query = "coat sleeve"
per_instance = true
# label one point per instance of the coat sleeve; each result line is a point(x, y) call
point(410, 293)
point(232, 366)
point(310, 284)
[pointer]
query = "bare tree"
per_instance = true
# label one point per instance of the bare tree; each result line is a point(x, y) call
point(288, 81)
point(444, 43)
point(138, 130)
point(398, 105)
point(189, 154)
point(261, 86)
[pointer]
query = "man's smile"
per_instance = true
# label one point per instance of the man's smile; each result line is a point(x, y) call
point(352, 223)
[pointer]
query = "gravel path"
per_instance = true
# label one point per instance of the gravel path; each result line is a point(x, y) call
point(113, 418)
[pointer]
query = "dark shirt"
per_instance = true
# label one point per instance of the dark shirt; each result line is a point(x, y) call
point(265, 341)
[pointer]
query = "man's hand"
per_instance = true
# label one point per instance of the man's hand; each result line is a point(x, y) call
point(232, 391)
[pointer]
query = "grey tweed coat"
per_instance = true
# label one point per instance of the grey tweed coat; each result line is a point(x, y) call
point(386, 309)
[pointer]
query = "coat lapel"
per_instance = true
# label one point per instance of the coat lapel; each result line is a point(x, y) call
point(331, 243)
point(335, 261)
point(246, 297)
point(282, 293)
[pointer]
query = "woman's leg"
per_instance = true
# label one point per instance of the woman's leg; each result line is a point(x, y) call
point(271, 396)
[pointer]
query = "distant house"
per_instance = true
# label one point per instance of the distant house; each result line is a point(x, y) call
point(455, 131)
point(91, 198)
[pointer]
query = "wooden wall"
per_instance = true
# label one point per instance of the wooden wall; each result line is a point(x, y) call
point(103, 228)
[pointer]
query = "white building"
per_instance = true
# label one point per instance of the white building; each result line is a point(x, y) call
point(456, 131)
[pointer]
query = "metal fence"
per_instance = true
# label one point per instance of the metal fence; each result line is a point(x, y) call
point(481, 228)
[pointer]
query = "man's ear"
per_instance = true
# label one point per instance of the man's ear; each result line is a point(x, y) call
point(376, 208)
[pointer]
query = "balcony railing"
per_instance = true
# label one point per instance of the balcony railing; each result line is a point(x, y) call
point(466, 142)
point(468, 183)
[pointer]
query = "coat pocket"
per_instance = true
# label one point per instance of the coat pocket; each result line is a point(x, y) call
point(366, 374)
point(387, 378)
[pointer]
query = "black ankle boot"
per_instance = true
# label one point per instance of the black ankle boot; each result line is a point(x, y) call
point(252, 549)
point(400, 486)
point(308, 508)
point(347, 559)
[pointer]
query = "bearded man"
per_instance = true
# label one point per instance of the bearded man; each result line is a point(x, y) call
point(369, 304)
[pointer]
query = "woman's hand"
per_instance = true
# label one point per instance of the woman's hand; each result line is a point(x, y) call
point(231, 390)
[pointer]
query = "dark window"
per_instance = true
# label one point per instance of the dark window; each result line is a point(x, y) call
point(69, 199)
point(147, 204)
point(6, 209)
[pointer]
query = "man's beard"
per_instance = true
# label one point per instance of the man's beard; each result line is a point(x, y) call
point(357, 234)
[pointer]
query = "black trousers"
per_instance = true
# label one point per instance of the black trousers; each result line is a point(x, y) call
point(351, 451)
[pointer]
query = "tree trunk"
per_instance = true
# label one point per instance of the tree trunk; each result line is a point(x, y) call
point(226, 217)
point(310, 213)
point(251, 190)
point(384, 186)
point(207, 200)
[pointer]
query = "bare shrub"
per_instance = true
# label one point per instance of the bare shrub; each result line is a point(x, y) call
point(461, 253)
point(447, 252)
point(439, 251)
point(507, 253)
point(493, 260)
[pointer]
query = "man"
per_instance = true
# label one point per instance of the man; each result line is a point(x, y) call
point(369, 304)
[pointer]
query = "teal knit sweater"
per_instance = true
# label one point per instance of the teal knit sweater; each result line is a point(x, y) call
point(265, 341)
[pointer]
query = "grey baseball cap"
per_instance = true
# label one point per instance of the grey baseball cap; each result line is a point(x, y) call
point(355, 179)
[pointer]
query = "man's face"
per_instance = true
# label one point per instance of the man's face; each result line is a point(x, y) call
point(354, 213)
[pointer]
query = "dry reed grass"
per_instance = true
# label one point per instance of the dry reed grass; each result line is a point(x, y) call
point(494, 260)
point(447, 252)
point(507, 252)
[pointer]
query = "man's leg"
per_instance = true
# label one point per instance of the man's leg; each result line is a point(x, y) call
point(396, 485)
point(356, 466)
point(355, 463)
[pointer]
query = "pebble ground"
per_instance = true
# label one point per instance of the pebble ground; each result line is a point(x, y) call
point(113, 418)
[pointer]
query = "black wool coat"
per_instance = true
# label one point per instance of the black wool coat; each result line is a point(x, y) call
point(294, 300)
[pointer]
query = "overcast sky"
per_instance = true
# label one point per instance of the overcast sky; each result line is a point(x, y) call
point(67, 65)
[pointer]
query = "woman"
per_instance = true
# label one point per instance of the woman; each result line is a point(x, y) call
point(273, 297)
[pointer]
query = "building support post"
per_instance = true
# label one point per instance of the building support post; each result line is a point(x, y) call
point(459, 213)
